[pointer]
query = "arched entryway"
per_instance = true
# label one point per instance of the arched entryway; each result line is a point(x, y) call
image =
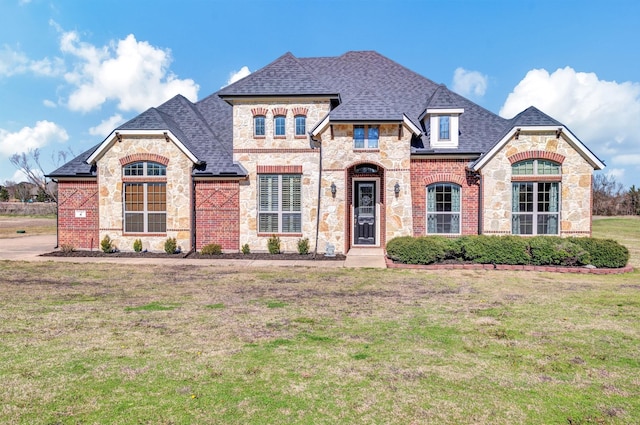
point(366, 213)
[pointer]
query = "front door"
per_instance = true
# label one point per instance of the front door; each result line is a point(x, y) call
point(364, 213)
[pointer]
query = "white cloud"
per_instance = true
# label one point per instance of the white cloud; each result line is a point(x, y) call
point(133, 73)
point(49, 103)
point(107, 126)
point(469, 83)
point(603, 114)
point(29, 138)
point(237, 75)
point(14, 62)
point(616, 173)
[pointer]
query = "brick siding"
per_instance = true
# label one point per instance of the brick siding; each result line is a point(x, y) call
point(428, 171)
point(217, 214)
point(81, 233)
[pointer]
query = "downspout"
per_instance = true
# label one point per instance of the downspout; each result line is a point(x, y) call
point(315, 250)
point(193, 215)
point(57, 217)
point(480, 203)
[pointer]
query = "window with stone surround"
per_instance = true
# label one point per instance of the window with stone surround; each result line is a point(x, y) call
point(301, 125)
point(366, 136)
point(144, 197)
point(443, 208)
point(279, 203)
point(258, 126)
point(279, 125)
point(535, 197)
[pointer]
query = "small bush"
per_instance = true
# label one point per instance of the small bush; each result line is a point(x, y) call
point(106, 244)
point(495, 249)
point(137, 245)
point(303, 246)
point(420, 250)
point(273, 245)
point(245, 249)
point(553, 250)
point(67, 247)
point(604, 252)
point(211, 249)
point(170, 246)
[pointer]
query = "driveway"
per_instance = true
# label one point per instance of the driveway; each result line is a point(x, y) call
point(26, 248)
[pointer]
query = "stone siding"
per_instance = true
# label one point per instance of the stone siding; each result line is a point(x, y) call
point(78, 214)
point(178, 180)
point(575, 203)
point(425, 172)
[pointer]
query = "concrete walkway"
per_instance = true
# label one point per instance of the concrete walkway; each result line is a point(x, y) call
point(29, 248)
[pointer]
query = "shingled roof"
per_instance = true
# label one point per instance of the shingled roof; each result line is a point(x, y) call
point(366, 86)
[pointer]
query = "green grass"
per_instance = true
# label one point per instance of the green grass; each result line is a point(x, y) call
point(145, 345)
point(625, 230)
point(108, 343)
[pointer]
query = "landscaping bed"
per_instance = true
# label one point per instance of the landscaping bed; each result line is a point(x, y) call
point(198, 256)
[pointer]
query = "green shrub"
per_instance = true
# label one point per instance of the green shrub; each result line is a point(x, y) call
point(273, 245)
point(303, 246)
point(211, 249)
point(245, 249)
point(170, 246)
point(553, 250)
point(420, 250)
point(137, 245)
point(605, 253)
point(495, 249)
point(106, 244)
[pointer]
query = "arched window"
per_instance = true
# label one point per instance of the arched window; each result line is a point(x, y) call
point(145, 197)
point(535, 197)
point(443, 208)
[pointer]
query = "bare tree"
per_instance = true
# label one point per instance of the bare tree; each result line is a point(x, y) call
point(609, 196)
point(29, 163)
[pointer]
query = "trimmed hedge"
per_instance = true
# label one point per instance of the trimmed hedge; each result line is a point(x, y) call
point(511, 250)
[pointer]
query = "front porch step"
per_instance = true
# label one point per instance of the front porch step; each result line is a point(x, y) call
point(359, 257)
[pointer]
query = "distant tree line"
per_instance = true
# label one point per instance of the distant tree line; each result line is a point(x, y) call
point(611, 198)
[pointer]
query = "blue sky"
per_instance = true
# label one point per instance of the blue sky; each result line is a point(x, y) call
point(71, 71)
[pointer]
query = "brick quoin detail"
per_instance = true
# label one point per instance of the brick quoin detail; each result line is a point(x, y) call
point(279, 111)
point(137, 157)
point(279, 169)
point(81, 233)
point(425, 172)
point(259, 112)
point(523, 156)
point(299, 111)
point(217, 205)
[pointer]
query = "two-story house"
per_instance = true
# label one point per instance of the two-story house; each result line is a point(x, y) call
point(347, 151)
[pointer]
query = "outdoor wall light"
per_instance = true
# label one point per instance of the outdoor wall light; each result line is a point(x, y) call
point(396, 189)
point(334, 189)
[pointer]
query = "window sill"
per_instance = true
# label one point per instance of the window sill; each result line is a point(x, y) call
point(259, 137)
point(537, 178)
point(292, 235)
point(279, 137)
point(366, 150)
point(301, 136)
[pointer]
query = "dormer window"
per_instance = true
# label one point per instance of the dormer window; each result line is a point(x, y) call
point(444, 127)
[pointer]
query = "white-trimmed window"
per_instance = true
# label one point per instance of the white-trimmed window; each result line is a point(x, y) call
point(279, 203)
point(145, 199)
point(258, 126)
point(279, 125)
point(444, 127)
point(535, 205)
point(443, 208)
point(366, 136)
point(301, 125)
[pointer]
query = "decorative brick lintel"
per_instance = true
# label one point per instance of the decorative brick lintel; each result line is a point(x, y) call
point(279, 169)
point(552, 269)
point(537, 178)
point(137, 157)
point(522, 156)
point(259, 111)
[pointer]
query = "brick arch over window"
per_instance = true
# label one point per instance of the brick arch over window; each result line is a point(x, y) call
point(444, 177)
point(300, 111)
point(523, 156)
point(279, 111)
point(149, 157)
point(259, 111)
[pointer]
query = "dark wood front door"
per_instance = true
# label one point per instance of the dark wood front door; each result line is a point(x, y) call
point(364, 213)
